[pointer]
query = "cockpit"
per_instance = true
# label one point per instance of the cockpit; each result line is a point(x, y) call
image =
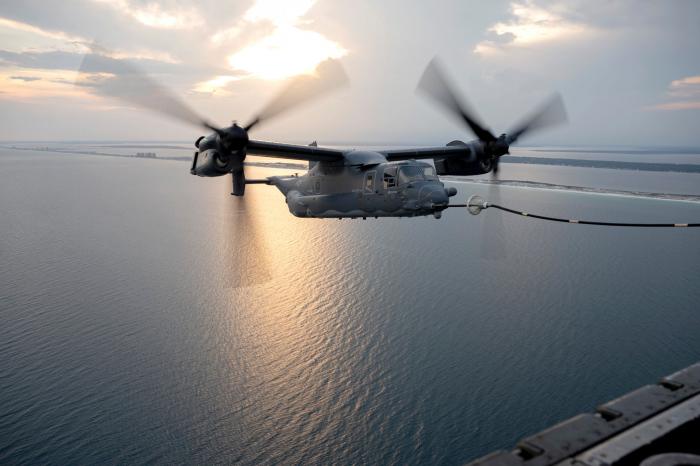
point(409, 173)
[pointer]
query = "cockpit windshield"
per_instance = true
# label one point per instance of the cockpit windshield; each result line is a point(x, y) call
point(415, 173)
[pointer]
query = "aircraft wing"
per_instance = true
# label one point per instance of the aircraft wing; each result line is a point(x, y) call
point(441, 152)
point(291, 151)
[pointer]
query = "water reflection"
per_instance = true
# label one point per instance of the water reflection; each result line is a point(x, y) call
point(244, 242)
point(296, 350)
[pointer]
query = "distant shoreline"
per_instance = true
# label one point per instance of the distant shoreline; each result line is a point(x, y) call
point(562, 162)
point(609, 164)
point(56, 150)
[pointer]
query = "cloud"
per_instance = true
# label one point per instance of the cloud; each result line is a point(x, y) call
point(278, 47)
point(685, 93)
point(81, 44)
point(685, 87)
point(38, 85)
point(530, 24)
point(70, 61)
point(49, 70)
point(625, 62)
point(53, 60)
point(26, 78)
point(51, 34)
point(690, 105)
point(215, 86)
point(154, 15)
point(280, 13)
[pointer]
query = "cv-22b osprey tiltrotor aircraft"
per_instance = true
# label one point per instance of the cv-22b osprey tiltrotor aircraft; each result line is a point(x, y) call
point(338, 183)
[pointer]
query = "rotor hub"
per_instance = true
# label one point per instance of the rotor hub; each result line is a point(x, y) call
point(499, 147)
point(233, 138)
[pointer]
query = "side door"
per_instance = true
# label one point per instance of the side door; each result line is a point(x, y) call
point(390, 199)
point(369, 190)
point(314, 186)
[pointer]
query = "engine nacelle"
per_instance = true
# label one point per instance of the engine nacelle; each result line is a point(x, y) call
point(211, 163)
point(477, 165)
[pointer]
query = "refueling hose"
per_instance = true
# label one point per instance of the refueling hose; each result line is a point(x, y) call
point(476, 204)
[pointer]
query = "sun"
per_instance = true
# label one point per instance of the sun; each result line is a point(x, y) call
point(289, 49)
point(287, 52)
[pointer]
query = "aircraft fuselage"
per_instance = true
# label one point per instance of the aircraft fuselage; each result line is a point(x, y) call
point(365, 185)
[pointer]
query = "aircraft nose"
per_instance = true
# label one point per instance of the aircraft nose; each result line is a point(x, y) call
point(437, 196)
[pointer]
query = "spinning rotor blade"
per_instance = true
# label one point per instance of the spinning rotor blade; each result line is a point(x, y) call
point(493, 243)
point(551, 113)
point(493, 235)
point(435, 85)
point(122, 80)
point(329, 76)
point(494, 170)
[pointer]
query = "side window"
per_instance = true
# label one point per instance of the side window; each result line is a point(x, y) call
point(317, 186)
point(369, 182)
point(390, 178)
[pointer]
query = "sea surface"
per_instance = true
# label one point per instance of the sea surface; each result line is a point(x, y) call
point(147, 316)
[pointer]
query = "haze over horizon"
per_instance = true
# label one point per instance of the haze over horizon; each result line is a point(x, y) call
point(627, 70)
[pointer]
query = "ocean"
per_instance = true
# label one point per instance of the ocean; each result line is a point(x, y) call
point(147, 316)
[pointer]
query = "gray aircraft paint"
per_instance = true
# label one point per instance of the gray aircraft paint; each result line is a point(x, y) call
point(358, 189)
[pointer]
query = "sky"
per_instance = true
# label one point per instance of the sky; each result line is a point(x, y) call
point(628, 70)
